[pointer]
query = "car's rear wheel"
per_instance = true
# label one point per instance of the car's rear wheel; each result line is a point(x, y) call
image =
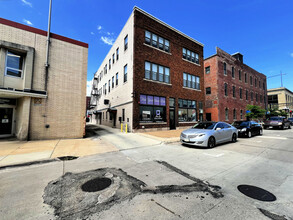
point(211, 142)
point(234, 138)
point(249, 134)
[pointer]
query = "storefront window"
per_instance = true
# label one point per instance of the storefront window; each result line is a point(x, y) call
point(152, 109)
point(187, 110)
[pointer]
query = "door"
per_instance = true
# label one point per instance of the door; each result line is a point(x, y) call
point(209, 116)
point(172, 119)
point(6, 121)
point(219, 134)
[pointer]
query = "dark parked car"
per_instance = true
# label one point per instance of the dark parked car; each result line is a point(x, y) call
point(277, 122)
point(291, 120)
point(248, 128)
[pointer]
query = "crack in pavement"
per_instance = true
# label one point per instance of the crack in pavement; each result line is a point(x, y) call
point(166, 208)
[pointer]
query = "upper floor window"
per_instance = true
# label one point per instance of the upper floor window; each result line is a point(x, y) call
point(126, 42)
point(109, 86)
point(208, 69)
point(117, 54)
point(14, 64)
point(240, 75)
point(157, 72)
point(251, 96)
point(157, 41)
point(241, 114)
point(125, 73)
point(233, 90)
point(208, 91)
point(245, 77)
point(251, 80)
point(263, 85)
point(240, 93)
point(113, 58)
point(116, 79)
point(112, 82)
point(226, 89)
point(105, 69)
point(226, 114)
point(255, 82)
point(246, 95)
point(189, 55)
point(191, 81)
point(259, 84)
point(225, 69)
point(109, 64)
point(256, 97)
point(234, 114)
point(233, 74)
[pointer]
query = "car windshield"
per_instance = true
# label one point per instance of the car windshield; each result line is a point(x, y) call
point(206, 125)
point(240, 123)
point(275, 119)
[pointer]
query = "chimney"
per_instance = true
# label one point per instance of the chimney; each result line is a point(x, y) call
point(238, 56)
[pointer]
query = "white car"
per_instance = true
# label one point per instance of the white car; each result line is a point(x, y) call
point(208, 134)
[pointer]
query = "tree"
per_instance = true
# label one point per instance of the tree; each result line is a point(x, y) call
point(277, 112)
point(255, 112)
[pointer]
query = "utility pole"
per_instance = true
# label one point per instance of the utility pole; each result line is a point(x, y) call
point(281, 74)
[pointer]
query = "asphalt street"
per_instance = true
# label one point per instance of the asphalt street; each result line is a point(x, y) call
point(153, 180)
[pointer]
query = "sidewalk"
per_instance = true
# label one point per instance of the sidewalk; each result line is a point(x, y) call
point(14, 151)
point(169, 136)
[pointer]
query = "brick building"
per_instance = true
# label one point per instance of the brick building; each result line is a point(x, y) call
point(230, 85)
point(38, 102)
point(152, 77)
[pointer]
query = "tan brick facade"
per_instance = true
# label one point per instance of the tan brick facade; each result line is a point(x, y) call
point(60, 112)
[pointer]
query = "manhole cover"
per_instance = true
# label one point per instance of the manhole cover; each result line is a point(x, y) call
point(67, 158)
point(257, 193)
point(96, 184)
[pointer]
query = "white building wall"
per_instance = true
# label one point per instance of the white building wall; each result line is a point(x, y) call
point(120, 96)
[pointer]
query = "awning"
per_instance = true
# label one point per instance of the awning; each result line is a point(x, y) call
point(7, 93)
point(97, 112)
point(112, 110)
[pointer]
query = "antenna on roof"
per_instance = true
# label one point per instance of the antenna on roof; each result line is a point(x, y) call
point(281, 74)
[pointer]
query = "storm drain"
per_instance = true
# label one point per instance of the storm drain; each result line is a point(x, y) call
point(96, 184)
point(257, 193)
point(67, 158)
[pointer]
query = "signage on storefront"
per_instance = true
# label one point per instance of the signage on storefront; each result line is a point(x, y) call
point(7, 101)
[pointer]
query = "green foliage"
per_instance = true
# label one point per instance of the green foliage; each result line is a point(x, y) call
point(277, 112)
point(255, 112)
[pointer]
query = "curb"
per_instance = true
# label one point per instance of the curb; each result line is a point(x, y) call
point(29, 163)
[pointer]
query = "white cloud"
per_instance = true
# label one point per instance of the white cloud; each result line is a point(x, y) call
point(108, 33)
point(291, 54)
point(27, 22)
point(27, 3)
point(92, 33)
point(89, 85)
point(108, 40)
point(99, 27)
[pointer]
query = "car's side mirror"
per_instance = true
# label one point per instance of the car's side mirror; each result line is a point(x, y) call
point(217, 129)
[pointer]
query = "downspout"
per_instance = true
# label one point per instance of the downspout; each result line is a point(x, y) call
point(48, 46)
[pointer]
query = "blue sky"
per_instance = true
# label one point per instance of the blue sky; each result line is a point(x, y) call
point(262, 30)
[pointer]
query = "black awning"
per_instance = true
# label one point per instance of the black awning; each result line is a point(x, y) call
point(113, 110)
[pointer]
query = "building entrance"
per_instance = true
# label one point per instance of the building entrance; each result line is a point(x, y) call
point(6, 115)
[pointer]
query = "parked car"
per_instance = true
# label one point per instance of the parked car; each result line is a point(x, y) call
point(248, 128)
point(277, 122)
point(208, 134)
point(291, 121)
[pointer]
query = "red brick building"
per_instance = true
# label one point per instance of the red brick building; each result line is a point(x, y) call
point(157, 82)
point(230, 85)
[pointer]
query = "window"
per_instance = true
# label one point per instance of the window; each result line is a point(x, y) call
point(190, 55)
point(103, 116)
point(200, 106)
point(113, 58)
point(263, 85)
point(256, 97)
point(156, 41)
point(191, 81)
point(260, 98)
point(152, 108)
point(186, 110)
point(245, 77)
point(105, 88)
point(226, 89)
point(233, 74)
point(116, 79)
point(109, 64)
point(255, 82)
point(106, 69)
point(251, 80)
point(109, 86)
point(240, 93)
point(241, 114)
point(14, 64)
point(233, 89)
point(234, 114)
point(259, 84)
point(157, 72)
point(246, 95)
point(240, 75)
point(225, 69)
point(126, 42)
point(251, 96)
point(125, 73)
point(123, 114)
point(226, 114)
point(208, 90)
point(113, 82)
point(117, 54)
point(208, 69)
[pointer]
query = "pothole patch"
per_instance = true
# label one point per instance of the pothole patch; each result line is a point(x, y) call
point(67, 158)
point(257, 193)
point(96, 184)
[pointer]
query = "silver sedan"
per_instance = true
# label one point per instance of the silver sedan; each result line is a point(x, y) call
point(208, 134)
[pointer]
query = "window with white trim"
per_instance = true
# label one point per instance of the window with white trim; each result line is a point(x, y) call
point(191, 81)
point(190, 55)
point(157, 41)
point(14, 64)
point(157, 72)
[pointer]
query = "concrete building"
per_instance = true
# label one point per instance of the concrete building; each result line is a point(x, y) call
point(152, 77)
point(231, 85)
point(281, 98)
point(35, 103)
